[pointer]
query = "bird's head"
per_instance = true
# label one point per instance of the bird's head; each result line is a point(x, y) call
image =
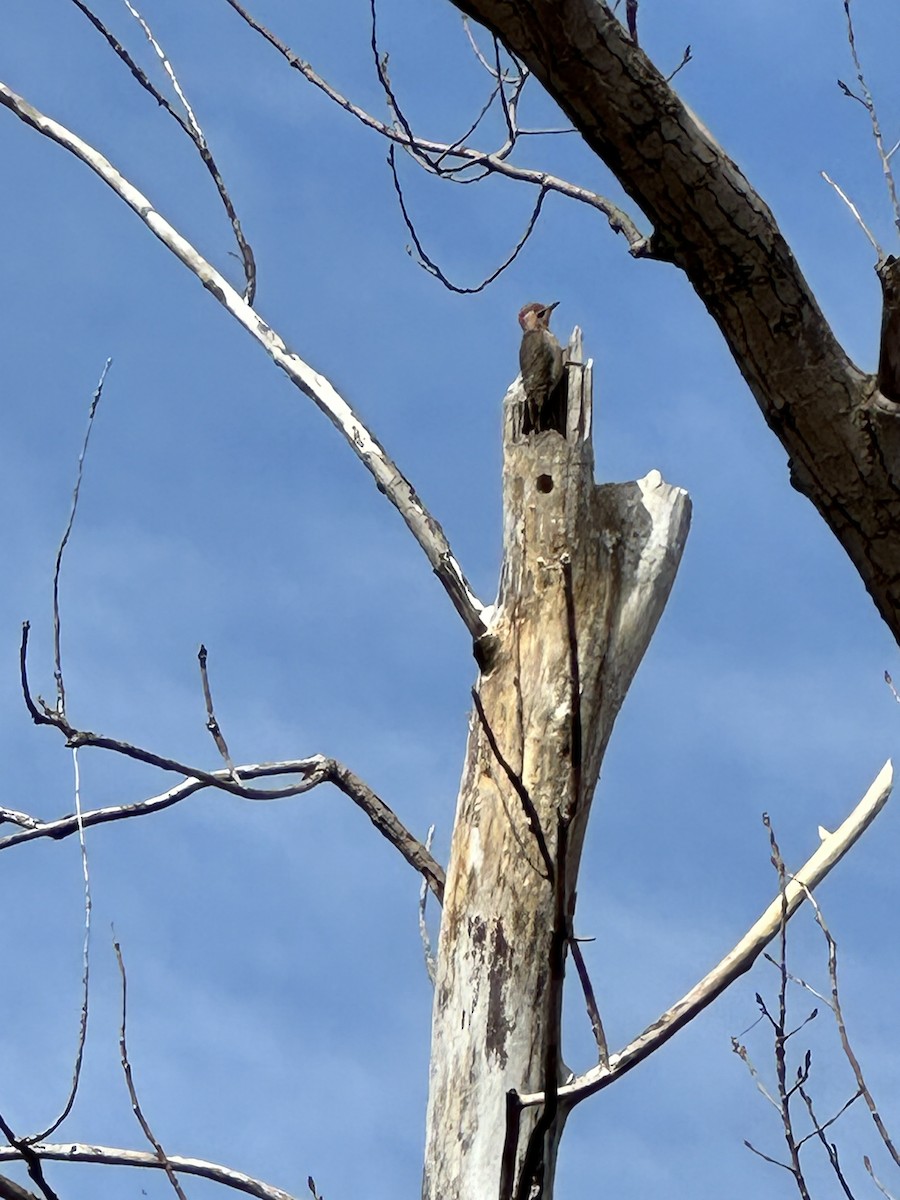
point(536, 316)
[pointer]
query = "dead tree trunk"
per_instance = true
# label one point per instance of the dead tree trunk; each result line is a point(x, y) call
point(587, 570)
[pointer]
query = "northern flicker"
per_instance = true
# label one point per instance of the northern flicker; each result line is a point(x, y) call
point(541, 362)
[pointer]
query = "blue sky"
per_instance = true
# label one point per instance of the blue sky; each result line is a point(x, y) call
point(280, 1008)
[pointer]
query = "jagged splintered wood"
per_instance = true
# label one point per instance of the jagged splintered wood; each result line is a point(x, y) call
point(497, 1003)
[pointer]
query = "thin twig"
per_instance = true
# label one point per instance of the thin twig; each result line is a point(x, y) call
point(869, 105)
point(212, 723)
point(189, 126)
point(835, 1005)
point(867, 1163)
point(863, 226)
point(591, 1003)
point(741, 1051)
point(831, 1149)
point(428, 264)
point(57, 654)
point(685, 59)
point(631, 11)
point(532, 1168)
point(85, 963)
point(132, 1091)
point(779, 1025)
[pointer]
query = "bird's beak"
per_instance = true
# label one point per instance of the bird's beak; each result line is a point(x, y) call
point(550, 307)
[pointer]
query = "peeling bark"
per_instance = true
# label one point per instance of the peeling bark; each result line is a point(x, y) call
point(841, 433)
point(602, 558)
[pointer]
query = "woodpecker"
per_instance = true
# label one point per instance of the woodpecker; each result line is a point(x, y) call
point(541, 362)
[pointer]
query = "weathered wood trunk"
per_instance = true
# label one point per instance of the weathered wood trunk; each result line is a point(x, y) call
point(584, 566)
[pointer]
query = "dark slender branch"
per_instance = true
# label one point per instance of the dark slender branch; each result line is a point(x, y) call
point(431, 266)
point(779, 1024)
point(531, 814)
point(510, 1145)
point(381, 61)
point(591, 1003)
point(196, 135)
point(766, 1158)
point(830, 1148)
point(388, 824)
point(57, 655)
point(631, 11)
point(30, 1158)
point(685, 59)
point(563, 912)
point(132, 1091)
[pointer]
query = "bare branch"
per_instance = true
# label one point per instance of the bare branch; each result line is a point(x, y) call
point(739, 960)
point(835, 1006)
point(685, 59)
point(114, 1156)
point(591, 1003)
point(863, 226)
point(867, 1162)
point(132, 1091)
point(424, 528)
point(57, 656)
point(189, 126)
point(779, 1026)
point(869, 105)
point(425, 150)
point(631, 10)
point(431, 266)
point(212, 723)
point(85, 965)
point(315, 770)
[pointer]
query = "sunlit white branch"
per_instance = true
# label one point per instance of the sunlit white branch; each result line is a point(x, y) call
point(741, 958)
point(113, 1156)
point(389, 479)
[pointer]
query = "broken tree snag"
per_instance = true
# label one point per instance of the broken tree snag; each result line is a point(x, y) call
point(609, 553)
point(889, 357)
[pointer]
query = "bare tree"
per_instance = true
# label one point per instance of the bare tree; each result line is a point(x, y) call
point(587, 570)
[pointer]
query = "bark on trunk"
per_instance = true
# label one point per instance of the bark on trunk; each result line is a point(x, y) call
point(841, 433)
point(587, 567)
